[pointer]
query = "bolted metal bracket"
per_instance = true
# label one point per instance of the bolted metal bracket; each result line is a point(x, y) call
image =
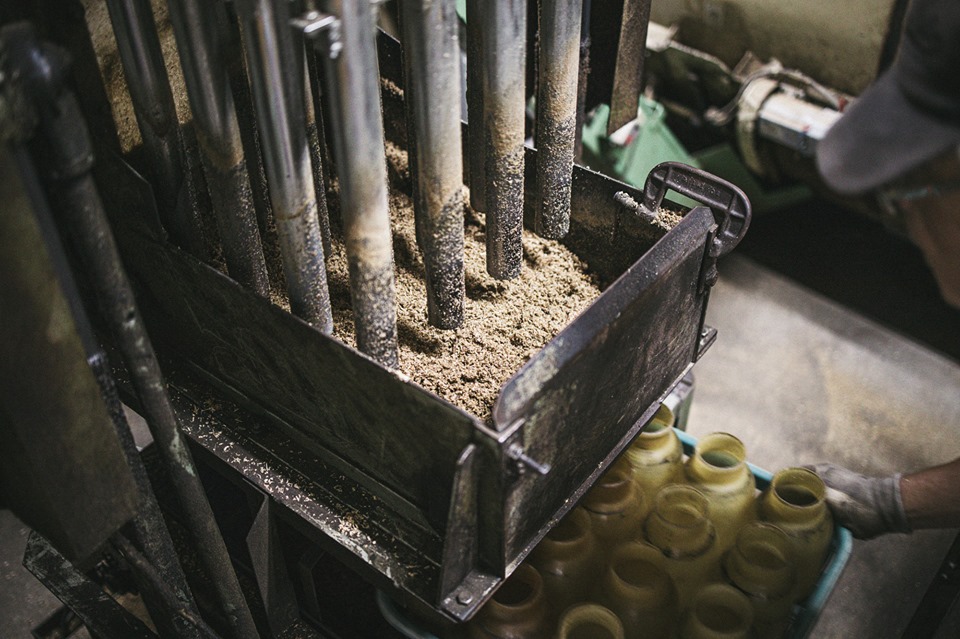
point(314, 25)
point(524, 462)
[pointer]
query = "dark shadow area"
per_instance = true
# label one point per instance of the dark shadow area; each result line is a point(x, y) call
point(856, 262)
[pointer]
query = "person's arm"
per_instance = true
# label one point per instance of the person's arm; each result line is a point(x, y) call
point(931, 497)
point(872, 506)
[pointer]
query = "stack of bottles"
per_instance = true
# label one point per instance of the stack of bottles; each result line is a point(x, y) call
point(664, 547)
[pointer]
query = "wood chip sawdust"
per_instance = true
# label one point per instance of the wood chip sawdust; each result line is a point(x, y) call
point(505, 322)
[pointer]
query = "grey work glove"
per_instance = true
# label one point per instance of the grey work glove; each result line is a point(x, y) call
point(868, 506)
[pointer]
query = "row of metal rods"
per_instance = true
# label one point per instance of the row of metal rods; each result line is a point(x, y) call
point(291, 142)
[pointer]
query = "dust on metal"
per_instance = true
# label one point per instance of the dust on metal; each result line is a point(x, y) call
point(276, 70)
point(354, 86)
point(555, 138)
point(504, 26)
point(196, 29)
point(432, 70)
point(628, 72)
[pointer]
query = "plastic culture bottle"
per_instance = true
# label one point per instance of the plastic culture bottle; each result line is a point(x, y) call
point(718, 468)
point(566, 560)
point(679, 527)
point(718, 611)
point(589, 621)
point(638, 589)
point(794, 501)
point(615, 507)
point(656, 455)
point(761, 565)
point(517, 610)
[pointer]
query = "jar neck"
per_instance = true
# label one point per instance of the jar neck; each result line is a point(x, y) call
point(520, 597)
point(761, 561)
point(614, 492)
point(718, 611)
point(795, 496)
point(589, 620)
point(679, 525)
point(636, 576)
point(569, 540)
point(718, 460)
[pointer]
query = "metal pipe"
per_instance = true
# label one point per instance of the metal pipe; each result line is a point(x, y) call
point(555, 139)
point(199, 43)
point(277, 82)
point(432, 92)
point(232, 42)
point(628, 70)
point(316, 138)
point(476, 149)
point(139, 47)
point(151, 579)
point(504, 25)
point(65, 149)
point(150, 530)
point(354, 83)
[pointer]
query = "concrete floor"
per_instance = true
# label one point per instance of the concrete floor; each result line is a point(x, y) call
point(799, 378)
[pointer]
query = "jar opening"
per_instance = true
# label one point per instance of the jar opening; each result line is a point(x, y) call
point(590, 630)
point(638, 573)
point(720, 618)
point(569, 529)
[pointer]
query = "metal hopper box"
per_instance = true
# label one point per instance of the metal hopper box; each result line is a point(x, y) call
point(416, 495)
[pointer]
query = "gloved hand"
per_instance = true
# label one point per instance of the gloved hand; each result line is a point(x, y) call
point(868, 506)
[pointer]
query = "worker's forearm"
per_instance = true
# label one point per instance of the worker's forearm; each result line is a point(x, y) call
point(931, 497)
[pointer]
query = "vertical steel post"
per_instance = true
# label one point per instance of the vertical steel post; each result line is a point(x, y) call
point(555, 138)
point(628, 71)
point(354, 79)
point(139, 47)
point(316, 138)
point(504, 25)
point(476, 150)
point(432, 92)
point(196, 29)
point(276, 78)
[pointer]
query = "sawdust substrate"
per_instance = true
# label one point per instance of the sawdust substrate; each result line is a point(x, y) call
point(505, 322)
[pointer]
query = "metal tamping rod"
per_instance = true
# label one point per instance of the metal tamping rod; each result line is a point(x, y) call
point(354, 82)
point(276, 78)
point(504, 25)
point(316, 138)
point(139, 47)
point(432, 91)
point(195, 26)
point(555, 138)
point(476, 147)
